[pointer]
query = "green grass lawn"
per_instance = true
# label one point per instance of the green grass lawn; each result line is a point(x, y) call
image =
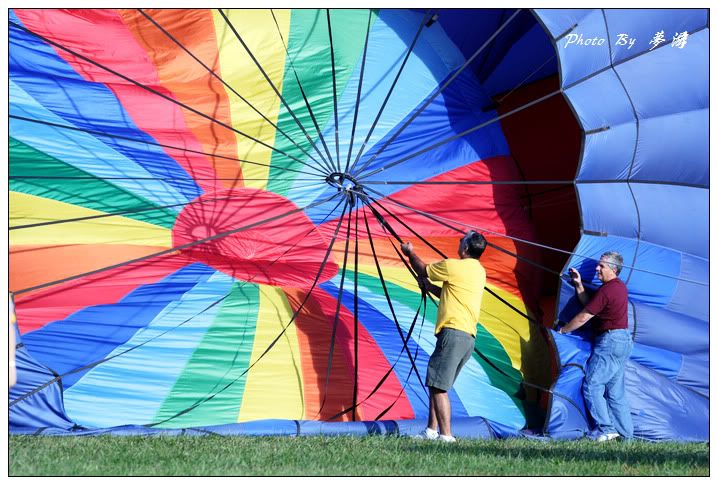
point(345, 456)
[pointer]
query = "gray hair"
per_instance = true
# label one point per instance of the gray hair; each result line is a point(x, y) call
point(614, 260)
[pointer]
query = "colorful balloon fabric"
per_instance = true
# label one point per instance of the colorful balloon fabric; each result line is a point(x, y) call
point(206, 208)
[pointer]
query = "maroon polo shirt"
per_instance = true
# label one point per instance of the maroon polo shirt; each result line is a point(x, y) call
point(610, 305)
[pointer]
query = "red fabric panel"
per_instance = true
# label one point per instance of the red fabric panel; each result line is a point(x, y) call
point(314, 340)
point(485, 207)
point(284, 252)
point(369, 351)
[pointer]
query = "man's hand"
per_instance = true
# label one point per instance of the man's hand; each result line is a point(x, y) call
point(575, 277)
point(578, 286)
point(415, 261)
point(407, 248)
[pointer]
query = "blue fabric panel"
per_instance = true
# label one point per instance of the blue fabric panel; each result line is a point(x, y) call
point(692, 298)
point(667, 144)
point(694, 374)
point(657, 81)
point(611, 108)
point(42, 409)
point(673, 331)
point(568, 305)
point(264, 427)
point(468, 428)
point(589, 250)
point(646, 281)
point(665, 362)
point(510, 58)
point(469, 31)
point(527, 59)
point(499, 430)
point(643, 24)
point(559, 20)
point(455, 110)
point(462, 427)
point(475, 428)
point(579, 60)
point(571, 349)
point(673, 148)
point(77, 102)
point(566, 416)
point(130, 388)
point(674, 216)
point(383, 331)
point(607, 154)
point(92, 333)
point(654, 409)
point(609, 209)
point(347, 428)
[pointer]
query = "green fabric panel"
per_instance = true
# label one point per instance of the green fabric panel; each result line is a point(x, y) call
point(218, 361)
point(499, 369)
point(95, 193)
point(396, 293)
point(309, 50)
point(501, 372)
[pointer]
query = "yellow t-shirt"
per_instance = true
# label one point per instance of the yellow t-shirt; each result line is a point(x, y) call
point(460, 303)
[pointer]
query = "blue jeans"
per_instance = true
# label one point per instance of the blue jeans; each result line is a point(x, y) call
point(603, 388)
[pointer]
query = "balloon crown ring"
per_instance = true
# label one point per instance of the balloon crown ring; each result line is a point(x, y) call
point(344, 182)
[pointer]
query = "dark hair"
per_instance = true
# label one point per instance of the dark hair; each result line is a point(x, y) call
point(474, 244)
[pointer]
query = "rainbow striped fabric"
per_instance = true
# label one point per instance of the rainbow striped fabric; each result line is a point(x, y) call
point(171, 176)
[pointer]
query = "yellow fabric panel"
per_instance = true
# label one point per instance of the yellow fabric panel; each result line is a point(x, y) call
point(274, 386)
point(509, 328)
point(398, 276)
point(258, 31)
point(520, 338)
point(25, 209)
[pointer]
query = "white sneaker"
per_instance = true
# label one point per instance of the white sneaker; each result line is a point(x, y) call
point(447, 439)
point(608, 437)
point(428, 434)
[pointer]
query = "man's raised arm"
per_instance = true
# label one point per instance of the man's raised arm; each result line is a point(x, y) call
point(419, 266)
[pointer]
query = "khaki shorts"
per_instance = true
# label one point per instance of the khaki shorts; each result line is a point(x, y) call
point(453, 350)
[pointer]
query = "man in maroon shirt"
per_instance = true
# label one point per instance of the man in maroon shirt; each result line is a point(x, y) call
point(603, 387)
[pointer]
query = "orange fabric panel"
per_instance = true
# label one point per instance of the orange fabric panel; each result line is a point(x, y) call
point(34, 265)
point(37, 265)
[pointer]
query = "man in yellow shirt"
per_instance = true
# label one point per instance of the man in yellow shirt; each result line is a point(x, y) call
point(459, 307)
